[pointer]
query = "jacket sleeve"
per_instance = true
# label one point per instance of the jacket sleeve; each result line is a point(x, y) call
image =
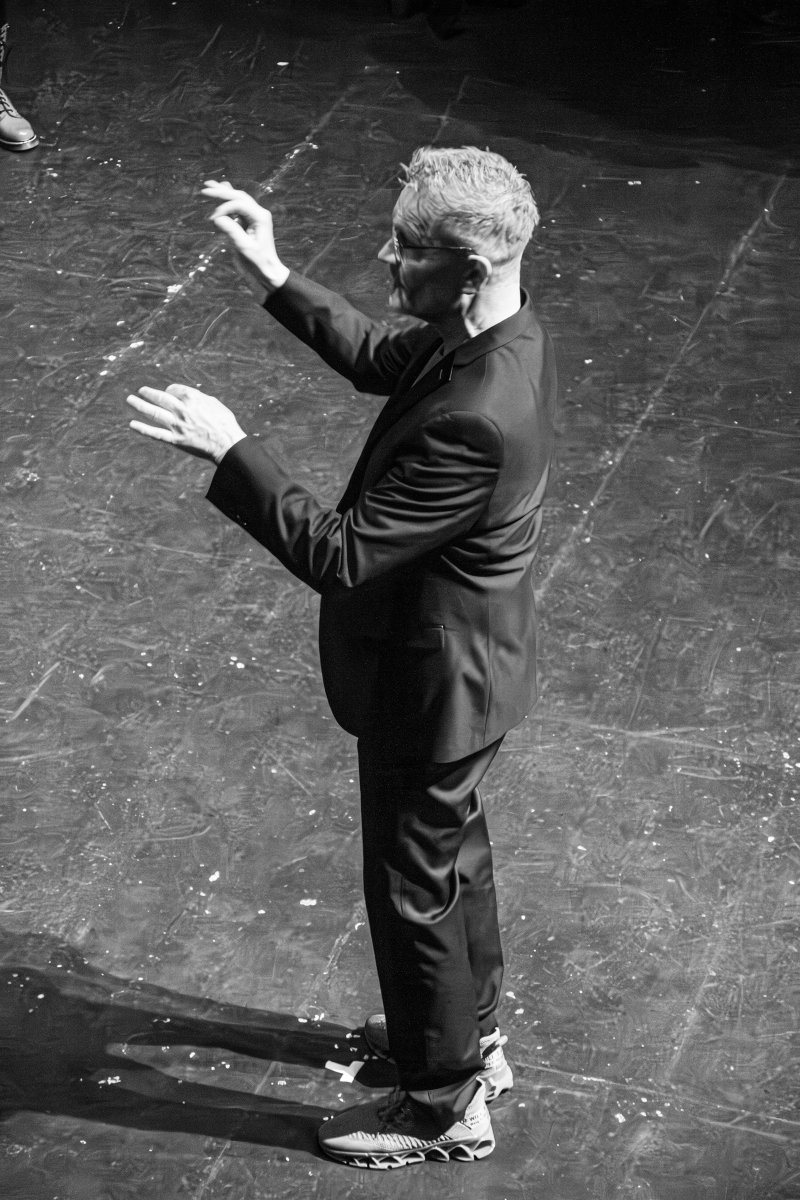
point(372, 356)
point(436, 488)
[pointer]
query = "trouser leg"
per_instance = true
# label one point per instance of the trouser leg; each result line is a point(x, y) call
point(431, 909)
point(479, 905)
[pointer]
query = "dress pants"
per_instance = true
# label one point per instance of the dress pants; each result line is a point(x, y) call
point(432, 911)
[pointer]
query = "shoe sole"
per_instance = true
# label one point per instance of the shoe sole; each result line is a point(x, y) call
point(459, 1152)
point(14, 147)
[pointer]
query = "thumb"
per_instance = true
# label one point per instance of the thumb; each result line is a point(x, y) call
point(232, 228)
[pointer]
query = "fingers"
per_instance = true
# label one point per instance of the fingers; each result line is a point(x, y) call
point(217, 187)
point(225, 191)
point(158, 406)
point(182, 391)
point(222, 190)
point(244, 207)
point(143, 406)
point(186, 418)
point(153, 431)
point(162, 405)
point(162, 430)
point(233, 229)
point(249, 228)
point(154, 402)
point(235, 203)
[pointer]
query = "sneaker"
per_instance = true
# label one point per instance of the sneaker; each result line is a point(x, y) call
point(496, 1075)
point(400, 1130)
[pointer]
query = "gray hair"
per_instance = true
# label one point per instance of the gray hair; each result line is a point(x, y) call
point(474, 196)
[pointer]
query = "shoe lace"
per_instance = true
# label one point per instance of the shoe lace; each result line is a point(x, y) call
point(6, 106)
point(395, 1112)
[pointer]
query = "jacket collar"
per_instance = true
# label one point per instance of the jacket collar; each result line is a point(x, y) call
point(401, 400)
point(483, 343)
point(496, 335)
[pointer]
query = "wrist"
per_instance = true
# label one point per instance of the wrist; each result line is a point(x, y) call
point(227, 444)
point(270, 281)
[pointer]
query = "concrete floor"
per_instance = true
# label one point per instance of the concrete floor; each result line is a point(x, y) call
point(182, 937)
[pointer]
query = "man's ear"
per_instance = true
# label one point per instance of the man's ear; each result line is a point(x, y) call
point(478, 273)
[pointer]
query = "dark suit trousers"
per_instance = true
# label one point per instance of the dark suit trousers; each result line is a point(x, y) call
point(432, 911)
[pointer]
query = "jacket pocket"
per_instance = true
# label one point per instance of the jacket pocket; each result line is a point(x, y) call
point(427, 637)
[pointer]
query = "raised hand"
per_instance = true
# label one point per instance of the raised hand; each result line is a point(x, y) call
point(249, 227)
point(187, 419)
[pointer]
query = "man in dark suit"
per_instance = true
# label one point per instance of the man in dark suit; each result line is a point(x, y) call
point(427, 625)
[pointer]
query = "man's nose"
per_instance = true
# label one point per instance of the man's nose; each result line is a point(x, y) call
point(386, 253)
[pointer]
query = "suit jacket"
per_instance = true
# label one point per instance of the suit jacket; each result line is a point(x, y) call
point(427, 625)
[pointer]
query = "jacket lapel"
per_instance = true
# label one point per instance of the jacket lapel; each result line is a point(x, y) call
point(402, 400)
point(398, 403)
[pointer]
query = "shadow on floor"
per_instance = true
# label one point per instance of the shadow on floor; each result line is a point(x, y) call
point(60, 1018)
point(666, 83)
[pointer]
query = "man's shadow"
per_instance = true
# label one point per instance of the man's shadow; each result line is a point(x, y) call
point(60, 1019)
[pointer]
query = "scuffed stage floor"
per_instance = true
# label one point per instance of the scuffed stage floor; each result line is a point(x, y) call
point(182, 937)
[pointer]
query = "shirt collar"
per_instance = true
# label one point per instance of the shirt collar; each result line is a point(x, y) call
point(496, 335)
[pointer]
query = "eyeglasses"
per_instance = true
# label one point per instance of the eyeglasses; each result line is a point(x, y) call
point(400, 247)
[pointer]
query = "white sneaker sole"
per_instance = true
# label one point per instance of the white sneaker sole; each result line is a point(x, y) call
point(388, 1160)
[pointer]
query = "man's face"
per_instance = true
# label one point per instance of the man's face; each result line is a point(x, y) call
point(428, 282)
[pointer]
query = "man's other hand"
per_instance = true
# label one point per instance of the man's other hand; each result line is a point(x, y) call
point(187, 419)
point(249, 228)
